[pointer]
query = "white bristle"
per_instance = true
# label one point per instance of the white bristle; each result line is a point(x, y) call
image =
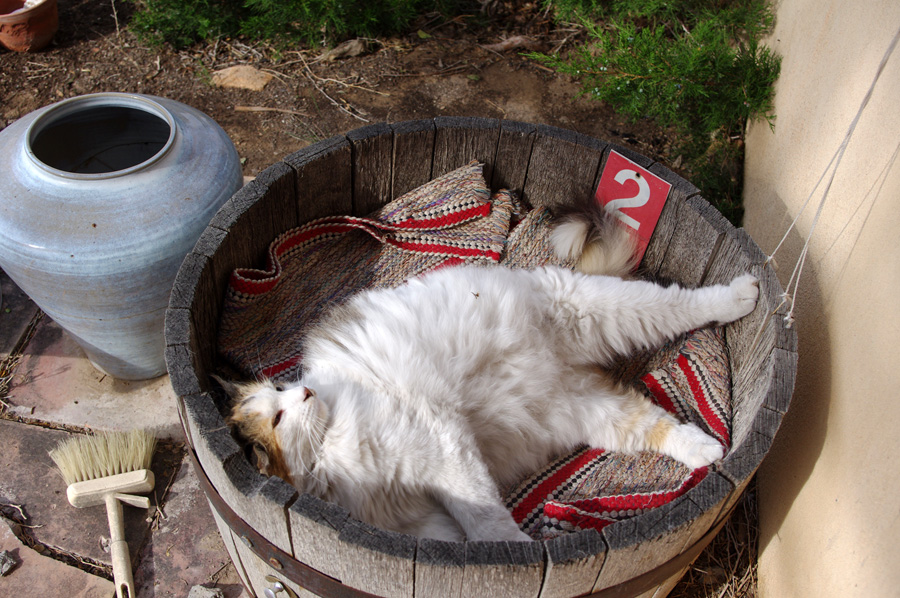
point(108, 453)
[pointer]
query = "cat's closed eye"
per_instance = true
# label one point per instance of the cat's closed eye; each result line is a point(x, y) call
point(277, 418)
point(279, 387)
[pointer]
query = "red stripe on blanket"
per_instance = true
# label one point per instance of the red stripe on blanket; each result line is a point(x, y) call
point(597, 513)
point(711, 418)
point(445, 221)
point(250, 281)
point(274, 370)
point(444, 249)
point(543, 490)
point(659, 393)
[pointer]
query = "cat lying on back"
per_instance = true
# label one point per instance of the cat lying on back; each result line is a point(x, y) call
point(417, 403)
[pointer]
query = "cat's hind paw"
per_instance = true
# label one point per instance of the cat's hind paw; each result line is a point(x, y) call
point(694, 447)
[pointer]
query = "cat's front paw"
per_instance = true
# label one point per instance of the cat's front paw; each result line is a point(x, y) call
point(694, 447)
point(744, 292)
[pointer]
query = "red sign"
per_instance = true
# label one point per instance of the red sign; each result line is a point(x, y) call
point(634, 194)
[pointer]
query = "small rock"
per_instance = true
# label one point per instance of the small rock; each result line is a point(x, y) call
point(7, 562)
point(348, 49)
point(242, 76)
point(204, 592)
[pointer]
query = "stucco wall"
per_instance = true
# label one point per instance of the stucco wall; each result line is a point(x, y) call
point(830, 487)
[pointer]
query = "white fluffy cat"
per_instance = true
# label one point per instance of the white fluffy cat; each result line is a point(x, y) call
point(417, 403)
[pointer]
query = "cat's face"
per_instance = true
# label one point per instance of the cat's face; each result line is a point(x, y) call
point(284, 423)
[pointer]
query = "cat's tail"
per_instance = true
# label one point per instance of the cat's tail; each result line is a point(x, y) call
point(595, 241)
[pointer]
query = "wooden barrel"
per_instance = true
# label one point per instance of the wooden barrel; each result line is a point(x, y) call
point(274, 534)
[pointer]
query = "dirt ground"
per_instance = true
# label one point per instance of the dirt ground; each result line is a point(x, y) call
point(439, 68)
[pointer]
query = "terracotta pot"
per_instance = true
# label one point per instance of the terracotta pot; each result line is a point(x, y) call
point(27, 29)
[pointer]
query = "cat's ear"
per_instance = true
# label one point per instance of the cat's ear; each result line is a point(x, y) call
point(261, 457)
point(230, 388)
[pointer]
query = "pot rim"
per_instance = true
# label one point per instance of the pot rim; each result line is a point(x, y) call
point(22, 14)
point(70, 106)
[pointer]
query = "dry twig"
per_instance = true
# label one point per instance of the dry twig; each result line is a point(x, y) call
point(312, 79)
point(266, 109)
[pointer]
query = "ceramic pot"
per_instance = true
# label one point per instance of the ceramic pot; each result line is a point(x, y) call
point(102, 197)
point(27, 29)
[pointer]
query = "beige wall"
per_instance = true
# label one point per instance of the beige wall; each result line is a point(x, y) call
point(830, 487)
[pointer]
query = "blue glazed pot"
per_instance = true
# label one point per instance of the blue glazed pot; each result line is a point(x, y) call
point(101, 198)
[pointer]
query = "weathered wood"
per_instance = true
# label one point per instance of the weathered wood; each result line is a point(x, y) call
point(752, 340)
point(513, 156)
point(190, 342)
point(573, 562)
point(711, 495)
point(261, 209)
point(258, 500)
point(262, 576)
point(501, 569)
point(372, 149)
point(746, 458)
point(200, 288)
point(204, 426)
point(458, 141)
point(379, 562)
point(563, 167)
point(183, 371)
point(658, 247)
point(324, 179)
point(359, 172)
point(650, 539)
point(315, 531)
point(661, 238)
point(693, 243)
point(279, 184)
point(664, 589)
point(659, 567)
point(228, 541)
point(440, 569)
point(413, 153)
point(752, 337)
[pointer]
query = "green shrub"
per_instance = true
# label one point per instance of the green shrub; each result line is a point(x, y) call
point(694, 65)
point(317, 21)
point(183, 22)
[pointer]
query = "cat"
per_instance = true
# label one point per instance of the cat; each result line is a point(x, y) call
point(417, 403)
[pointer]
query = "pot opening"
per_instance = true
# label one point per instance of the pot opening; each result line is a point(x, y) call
point(100, 139)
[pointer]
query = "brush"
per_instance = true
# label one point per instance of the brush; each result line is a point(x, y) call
point(107, 468)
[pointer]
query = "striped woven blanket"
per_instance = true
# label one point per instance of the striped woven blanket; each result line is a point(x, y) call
point(451, 220)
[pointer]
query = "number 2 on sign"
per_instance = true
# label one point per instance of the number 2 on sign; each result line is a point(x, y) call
point(635, 201)
point(638, 210)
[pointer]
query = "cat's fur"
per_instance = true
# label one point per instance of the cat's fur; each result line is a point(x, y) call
point(417, 403)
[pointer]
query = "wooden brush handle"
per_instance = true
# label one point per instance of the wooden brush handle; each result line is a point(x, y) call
point(118, 548)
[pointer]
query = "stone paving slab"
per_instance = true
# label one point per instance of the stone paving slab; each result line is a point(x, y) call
point(38, 575)
point(186, 549)
point(16, 312)
point(29, 479)
point(55, 383)
point(54, 391)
